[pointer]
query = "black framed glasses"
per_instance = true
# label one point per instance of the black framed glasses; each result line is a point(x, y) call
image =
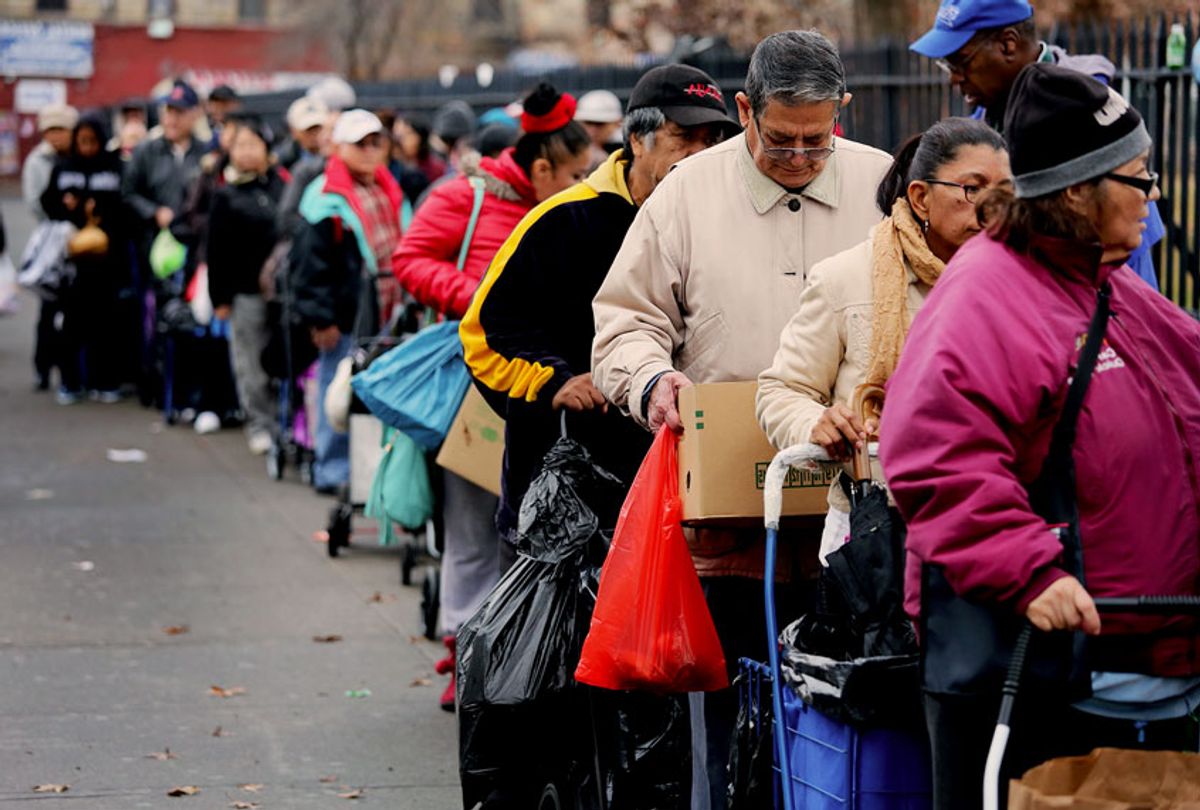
point(970, 192)
point(1143, 184)
point(959, 64)
point(786, 154)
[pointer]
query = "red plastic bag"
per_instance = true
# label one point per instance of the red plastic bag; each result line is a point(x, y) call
point(651, 628)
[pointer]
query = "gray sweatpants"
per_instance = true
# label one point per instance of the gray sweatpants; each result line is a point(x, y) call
point(248, 333)
point(471, 559)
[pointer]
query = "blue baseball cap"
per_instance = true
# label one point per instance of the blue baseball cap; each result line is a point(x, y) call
point(958, 20)
point(181, 96)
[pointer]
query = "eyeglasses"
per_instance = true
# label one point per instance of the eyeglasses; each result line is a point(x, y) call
point(970, 192)
point(958, 64)
point(786, 154)
point(1143, 184)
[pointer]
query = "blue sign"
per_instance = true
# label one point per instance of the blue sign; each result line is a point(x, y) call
point(46, 49)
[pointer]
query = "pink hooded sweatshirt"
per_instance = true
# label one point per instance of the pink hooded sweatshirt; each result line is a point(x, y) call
point(970, 410)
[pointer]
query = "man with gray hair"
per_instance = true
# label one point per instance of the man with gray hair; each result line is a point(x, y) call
point(709, 274)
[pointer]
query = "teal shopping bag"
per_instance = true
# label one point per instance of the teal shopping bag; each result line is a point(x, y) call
point(418, 386)
point(400, 492)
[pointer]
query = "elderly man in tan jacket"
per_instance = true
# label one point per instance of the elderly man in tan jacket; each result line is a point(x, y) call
point(710, 273)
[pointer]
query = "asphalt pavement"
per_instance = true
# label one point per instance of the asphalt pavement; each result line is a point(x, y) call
point(158, 623)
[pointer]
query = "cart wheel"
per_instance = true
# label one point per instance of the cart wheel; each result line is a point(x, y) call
point(275, 462)
point(339, 528)
point(550, 799)
point(407, 563)
point(171, 417)
point(431, 601)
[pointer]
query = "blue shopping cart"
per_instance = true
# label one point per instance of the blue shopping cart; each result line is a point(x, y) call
point(822, 763)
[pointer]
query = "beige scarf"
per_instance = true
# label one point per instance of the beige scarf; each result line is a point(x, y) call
point(899, 244)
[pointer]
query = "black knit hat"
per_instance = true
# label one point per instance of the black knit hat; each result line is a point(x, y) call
point(1063, 128)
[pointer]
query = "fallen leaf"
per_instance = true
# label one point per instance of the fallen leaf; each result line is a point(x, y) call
point(162, 756)
point(327, 639)
point(350, 794)
point(252, 788)
point(176, 629)
point(327, 780)
point(378, 597)
point(39, 494)
point(217, 732)
point(227, 693)
point(186, 790)
point(240, 805)
point(421, 682)
point(51, 788)
point(84, 565)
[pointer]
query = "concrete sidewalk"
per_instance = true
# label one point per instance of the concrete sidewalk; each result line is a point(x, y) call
point(99, 557)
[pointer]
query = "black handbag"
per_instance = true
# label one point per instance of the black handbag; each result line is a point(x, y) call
point(965, 645)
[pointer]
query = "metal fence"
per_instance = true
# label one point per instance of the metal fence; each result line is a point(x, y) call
point(898, 93)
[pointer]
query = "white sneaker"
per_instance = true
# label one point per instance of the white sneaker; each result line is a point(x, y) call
point(207, 422)
point(260, 443)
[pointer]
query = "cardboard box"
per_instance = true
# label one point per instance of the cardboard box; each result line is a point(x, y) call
point(723, 460)
point(474, 447)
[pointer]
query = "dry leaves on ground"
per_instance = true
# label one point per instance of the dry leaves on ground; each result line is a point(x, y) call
point(51, 788)
point(351, 794)
point(252, 788)
point(378, 597)
point(162, 756)
point(421, 682)
point(219, 732)
point(176, 629)
point(221, 692)
point(240, 805)
point(186, 790)
point(328, 780)
point(330, 639)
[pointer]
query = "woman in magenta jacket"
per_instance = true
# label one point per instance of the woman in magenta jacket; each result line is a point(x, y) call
point(550, 156)
point(969, 416)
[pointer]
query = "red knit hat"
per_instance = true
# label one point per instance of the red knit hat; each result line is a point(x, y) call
point(561, 114)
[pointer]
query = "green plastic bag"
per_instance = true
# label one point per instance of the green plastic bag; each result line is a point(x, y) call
point(400, 492)
point(167, 255)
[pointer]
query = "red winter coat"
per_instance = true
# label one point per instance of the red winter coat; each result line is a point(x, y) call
point(426, 260)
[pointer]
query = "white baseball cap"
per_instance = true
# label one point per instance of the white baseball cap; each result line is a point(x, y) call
point(354, 125)
point(306, 113)
point(599, 107)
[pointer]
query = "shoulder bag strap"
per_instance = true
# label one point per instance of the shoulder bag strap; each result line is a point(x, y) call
point(478, 186)
point(1063, 439)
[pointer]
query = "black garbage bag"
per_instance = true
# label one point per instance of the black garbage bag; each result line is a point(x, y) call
point(869, 691)
point(868, 573)
point(645, 750)
point(524, 725)
point(751, 779)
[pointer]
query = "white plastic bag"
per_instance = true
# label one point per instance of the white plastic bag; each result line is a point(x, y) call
point(198, 298)
point(10, 302)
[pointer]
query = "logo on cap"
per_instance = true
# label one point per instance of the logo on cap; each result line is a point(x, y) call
point(948, 15)
point(1113, 109)
point(704, 91)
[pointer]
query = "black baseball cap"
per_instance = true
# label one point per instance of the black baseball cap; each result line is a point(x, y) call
point(686, 95)
point(223, 92)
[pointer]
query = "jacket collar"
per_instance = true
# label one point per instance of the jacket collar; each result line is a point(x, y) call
point(338, 181)
point(1078, 261)
point(504, 169)
point(765, 193)
point(609, 177)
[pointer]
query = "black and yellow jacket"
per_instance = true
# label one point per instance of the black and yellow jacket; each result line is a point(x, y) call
point(529, 329)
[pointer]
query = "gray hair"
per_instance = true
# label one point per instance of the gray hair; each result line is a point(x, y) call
point(795, 67)
point(643, 123)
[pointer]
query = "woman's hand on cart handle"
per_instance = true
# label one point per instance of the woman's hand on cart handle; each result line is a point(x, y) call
point(1065, 605)
point(837, 426)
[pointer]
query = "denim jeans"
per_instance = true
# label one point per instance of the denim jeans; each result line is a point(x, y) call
point(331, 467)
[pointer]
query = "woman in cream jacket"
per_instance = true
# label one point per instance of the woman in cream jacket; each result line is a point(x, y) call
point(857, 307)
